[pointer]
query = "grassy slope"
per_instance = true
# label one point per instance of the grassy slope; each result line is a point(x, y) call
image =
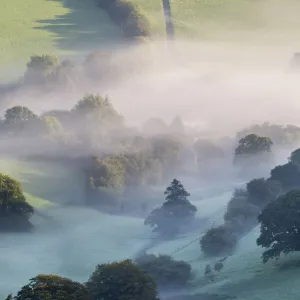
point(30, 27)
point(226, 19)
point(45, 183)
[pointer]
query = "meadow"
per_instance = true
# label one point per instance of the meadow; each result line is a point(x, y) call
point(59, 27)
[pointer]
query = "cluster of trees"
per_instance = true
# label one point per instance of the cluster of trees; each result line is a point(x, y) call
point(124, 280)
point(273, 202)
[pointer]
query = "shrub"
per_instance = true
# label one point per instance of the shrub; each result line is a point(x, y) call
point(218, 240)
point(167, 272)
point(121, 281)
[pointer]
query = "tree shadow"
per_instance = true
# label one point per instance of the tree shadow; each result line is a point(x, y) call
point(84, 28)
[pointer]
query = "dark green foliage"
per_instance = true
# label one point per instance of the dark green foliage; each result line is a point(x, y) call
point(253, 144)
point(128, 17)
point(175, 212)
point(280, 226)
point(106, 180)
point(121, 281)
point(295, 157)
point(50, 287)
point(288, 175)
point(218, 241)
point(167, 272)
point(9, 297)
point(261, 191)
point(18, 114)
point(241, 214)
point(15, 212)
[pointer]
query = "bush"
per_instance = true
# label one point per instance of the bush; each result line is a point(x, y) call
point(127, 16)
point(121, 281)
point(44, 287)
point(167, 272)
point(219, 240)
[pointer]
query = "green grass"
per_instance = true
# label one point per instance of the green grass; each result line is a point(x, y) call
point(30, 27)
point(228, 19)
point(44, 183)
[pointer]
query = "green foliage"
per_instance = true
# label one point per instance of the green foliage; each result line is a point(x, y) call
point(261, 191)
point(97, 111)
point(14, 210)
point(128, 17)
point(106, 180)
point(288, 175)
point(280, 226)
point(40, 67)
point(295, 157)
point(167, 272)
point(218, 241)
point(253, 144)
point(49, 287)
point(175, 211)
point(18, 114)
point(121, 281)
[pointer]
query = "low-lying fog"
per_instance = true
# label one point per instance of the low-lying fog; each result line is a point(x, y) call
point(218, 86)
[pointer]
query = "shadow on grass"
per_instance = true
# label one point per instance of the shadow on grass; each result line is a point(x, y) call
point(84, 28)
point(57, 187)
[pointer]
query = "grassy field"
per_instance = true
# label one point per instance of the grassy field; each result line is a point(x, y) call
point(45, 183)
point(30, 27)
point(228, 19)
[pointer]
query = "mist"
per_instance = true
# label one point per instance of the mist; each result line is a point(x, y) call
point(217, 89)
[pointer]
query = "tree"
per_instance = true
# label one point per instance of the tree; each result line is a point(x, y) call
point(122, 280)
point(288, 175)
point(261, 191)
point(175, 211)
point(19, 114)
point(295, 157)
point(218, 241)
point(40, 67)
point(106, 180)
point(15, 212)
point(167, 272)
point(280, 226)
point(46, 287)
point(253, 144)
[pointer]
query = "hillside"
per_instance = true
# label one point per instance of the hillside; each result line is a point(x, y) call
point(58, 27)
point(234, 20)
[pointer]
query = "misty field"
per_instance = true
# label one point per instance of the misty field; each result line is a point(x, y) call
point(30, 27)
point(45, 184)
